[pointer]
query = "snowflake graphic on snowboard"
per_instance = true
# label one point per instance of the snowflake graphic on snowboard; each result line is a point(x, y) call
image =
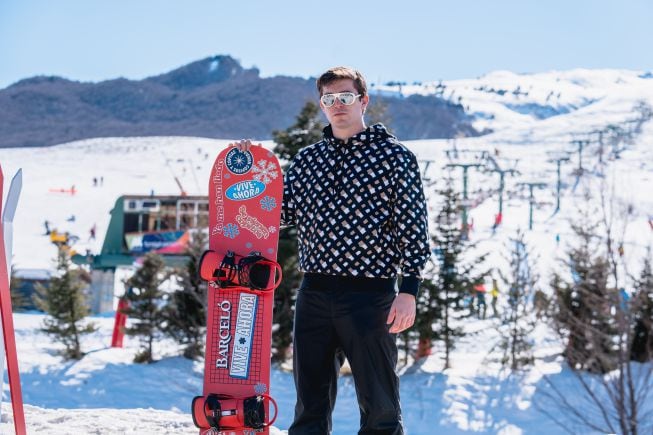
point(265, 171)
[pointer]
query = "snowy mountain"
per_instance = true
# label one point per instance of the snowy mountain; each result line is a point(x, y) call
point(590, 104)
point(600, 120)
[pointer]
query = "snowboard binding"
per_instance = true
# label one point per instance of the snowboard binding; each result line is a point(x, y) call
point(220, 412)
point(253, 272)
point(259, 273)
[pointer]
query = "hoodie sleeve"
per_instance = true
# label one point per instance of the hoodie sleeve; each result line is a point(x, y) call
point(410, 222)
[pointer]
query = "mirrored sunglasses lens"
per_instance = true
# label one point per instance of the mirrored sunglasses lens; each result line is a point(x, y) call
point(346, 98)
point(328, 100)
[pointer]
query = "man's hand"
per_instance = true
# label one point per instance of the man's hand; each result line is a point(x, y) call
point(244, 144)
point(402, 313)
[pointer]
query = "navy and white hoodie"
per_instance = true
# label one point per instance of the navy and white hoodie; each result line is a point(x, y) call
point(359, 208)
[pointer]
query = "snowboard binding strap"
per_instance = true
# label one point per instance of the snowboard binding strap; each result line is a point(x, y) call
point(227, 270)
point(252, 273)
point(221, 412)
point(258, 273)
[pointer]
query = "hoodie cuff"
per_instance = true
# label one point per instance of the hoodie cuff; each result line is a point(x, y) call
point(409, 284)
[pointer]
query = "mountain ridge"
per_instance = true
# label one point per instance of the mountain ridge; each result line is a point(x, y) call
point(213, 97)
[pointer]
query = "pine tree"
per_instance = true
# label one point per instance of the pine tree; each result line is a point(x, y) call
point(306, 131)
point(517, 320)
point(377, 112)
point(455, 277)
point(595, 321)
point(185, 311)
point(641, 306)
point(65, 303)
point(145, 310)
point(285, 294)
point(582, 312)
point(428, 312)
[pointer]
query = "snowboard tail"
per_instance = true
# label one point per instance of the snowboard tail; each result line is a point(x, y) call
point(245, 195)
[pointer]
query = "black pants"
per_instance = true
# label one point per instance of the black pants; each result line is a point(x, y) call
point(337, 317)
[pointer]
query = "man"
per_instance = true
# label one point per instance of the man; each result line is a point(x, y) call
point(357, 200)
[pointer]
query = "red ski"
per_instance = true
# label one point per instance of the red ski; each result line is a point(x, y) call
point(8, 332)
point(245, 195)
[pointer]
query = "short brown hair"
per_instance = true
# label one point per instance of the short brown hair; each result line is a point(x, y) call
point(342, 73)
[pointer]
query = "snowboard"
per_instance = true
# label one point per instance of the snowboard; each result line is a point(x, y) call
point(6, 312)
point(245, 196)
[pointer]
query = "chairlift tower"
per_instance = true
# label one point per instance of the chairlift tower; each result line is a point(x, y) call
point(559, 161)
point(465, 167)
point(580, 143)
point(502, 172)
point(617, 135)
point(599, 140)
point(531, 198)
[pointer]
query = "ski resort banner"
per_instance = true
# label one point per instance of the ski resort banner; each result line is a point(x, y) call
point(165, 242)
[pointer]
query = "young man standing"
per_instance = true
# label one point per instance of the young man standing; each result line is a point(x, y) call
point(357, 201)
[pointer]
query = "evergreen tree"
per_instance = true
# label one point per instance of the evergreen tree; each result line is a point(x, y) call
point(584, 306)
point(285, 294)
point(64, 302)
point(306, 131)
point(185, 311)
point(641, 306)
point(595, 320)
point(377, 112)
point(517, 319)
point(145, 310)
point(457, 273)
point(428, 312)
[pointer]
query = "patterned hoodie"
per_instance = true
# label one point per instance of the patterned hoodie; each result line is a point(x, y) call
point(359, 208)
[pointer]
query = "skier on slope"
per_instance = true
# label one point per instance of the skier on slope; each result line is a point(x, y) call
point(357, 201)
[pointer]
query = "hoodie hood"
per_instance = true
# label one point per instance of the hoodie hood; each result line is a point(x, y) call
point(373, 133)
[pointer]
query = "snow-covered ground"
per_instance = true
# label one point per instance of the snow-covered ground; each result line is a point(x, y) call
point(534, 117)
point(105, 393)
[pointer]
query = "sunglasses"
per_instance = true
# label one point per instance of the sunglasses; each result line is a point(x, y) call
point(345, 98)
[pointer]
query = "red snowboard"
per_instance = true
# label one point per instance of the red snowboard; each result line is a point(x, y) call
point(245, 195)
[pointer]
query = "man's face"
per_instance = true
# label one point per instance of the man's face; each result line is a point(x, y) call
point(340, 116)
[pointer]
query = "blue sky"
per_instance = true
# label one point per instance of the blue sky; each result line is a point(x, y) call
point(408, 40)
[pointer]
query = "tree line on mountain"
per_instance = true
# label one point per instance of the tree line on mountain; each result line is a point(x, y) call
point(215, 97)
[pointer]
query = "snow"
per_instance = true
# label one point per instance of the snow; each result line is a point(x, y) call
point(106, 393)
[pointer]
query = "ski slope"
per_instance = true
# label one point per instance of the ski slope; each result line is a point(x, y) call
point(534, 118)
